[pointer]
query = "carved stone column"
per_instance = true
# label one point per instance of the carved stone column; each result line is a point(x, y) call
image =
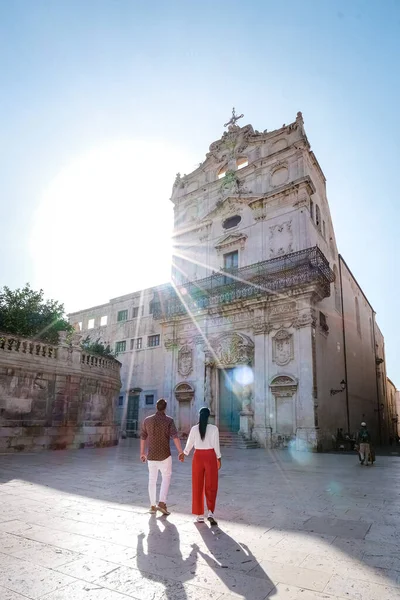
point(208, 396)
point(170, 344)
point(262, 428)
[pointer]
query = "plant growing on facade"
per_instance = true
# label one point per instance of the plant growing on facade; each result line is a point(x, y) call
point(97, 347)
point(24, 312)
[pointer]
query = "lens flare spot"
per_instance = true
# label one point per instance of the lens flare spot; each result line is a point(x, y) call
point(244, 375)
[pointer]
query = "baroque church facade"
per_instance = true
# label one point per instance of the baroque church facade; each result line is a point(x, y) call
point(262, 320)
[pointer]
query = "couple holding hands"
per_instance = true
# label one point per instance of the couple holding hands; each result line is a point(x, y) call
point(157, 431)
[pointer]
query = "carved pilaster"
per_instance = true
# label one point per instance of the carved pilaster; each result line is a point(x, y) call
point(259, 210)
point(306, 319)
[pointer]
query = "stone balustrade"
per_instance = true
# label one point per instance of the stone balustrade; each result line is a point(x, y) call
point(10, 343)
point(56, 396)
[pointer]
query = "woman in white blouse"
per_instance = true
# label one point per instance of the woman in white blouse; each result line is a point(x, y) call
point(206, 464)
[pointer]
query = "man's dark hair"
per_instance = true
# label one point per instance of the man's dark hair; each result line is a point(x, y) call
point(161, 404)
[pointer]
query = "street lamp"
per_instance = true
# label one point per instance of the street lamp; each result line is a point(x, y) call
point(343, 387)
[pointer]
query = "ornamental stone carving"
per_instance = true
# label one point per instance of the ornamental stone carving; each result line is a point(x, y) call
point(260, 326)
point(282, 348)
point(283, 309)
point(233, 349)
point(259, 210)
point(170, 343)
point(184, 392)
point(185, 360)
point(280, 239)
point(283, 386)
point(305, 319)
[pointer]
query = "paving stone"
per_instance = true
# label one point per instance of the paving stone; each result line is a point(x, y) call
point(9, 595)
point(383, 533)
point(41, 554)
point(28, 579)
point(304, 577)
point(81, 590)
point(337, 527)
point(290, 592)
point(352, 569)
point(354, 589)
point(87, 569)
point(223, 580)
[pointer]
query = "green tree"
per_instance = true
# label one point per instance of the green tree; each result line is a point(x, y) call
point(97, 347)
point(25, 312)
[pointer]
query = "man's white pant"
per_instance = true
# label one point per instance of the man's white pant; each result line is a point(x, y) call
point(165, 466)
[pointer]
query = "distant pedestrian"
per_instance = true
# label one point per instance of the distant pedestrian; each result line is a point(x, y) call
point(364, 442)
point(157, 431)
point(206, 464)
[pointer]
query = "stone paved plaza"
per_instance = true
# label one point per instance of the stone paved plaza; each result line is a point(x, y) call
point(73, 526)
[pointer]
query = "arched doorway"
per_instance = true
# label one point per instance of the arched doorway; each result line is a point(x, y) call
point(232, 356)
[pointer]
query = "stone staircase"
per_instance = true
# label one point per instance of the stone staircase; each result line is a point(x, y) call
point(229, 439)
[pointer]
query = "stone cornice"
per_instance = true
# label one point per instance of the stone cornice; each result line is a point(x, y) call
point(192, 228)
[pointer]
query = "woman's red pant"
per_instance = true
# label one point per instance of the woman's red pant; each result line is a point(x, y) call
point(204, 480)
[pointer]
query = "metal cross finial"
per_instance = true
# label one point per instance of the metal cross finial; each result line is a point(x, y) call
point(234, 118)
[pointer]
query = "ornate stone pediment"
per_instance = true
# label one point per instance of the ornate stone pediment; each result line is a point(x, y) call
point(232, 239)
point(184, 392)
point(283, 385)
point(232, 349)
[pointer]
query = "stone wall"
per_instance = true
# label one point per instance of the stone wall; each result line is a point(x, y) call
point(55, 397)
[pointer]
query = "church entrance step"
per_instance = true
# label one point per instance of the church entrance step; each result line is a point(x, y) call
point(229, 439)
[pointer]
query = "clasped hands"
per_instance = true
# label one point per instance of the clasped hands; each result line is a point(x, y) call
point(181, 458)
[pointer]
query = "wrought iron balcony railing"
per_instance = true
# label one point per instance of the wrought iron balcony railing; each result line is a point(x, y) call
point(260, 279)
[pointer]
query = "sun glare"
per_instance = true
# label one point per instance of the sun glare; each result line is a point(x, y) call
point(103, 225)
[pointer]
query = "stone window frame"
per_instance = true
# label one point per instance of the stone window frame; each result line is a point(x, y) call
point(122, 315)
point(146, 401)
point(318, 218)
point(120, 347)
point(101, 321)
point(230, 218)
point(136, 343)
point(222, 171)
point(153, 338)
point(242, 162)
point(91, 323)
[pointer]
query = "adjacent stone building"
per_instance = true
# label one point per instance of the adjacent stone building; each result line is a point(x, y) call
point(263, 320)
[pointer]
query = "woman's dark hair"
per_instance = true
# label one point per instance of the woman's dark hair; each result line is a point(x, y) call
point(203, 421)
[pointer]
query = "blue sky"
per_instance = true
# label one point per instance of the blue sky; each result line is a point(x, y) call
point(78, 76)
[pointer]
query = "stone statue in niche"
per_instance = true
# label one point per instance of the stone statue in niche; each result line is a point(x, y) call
point(283, 351)
point(185, 360)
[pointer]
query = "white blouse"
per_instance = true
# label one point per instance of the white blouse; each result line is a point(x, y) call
point(210, 442)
